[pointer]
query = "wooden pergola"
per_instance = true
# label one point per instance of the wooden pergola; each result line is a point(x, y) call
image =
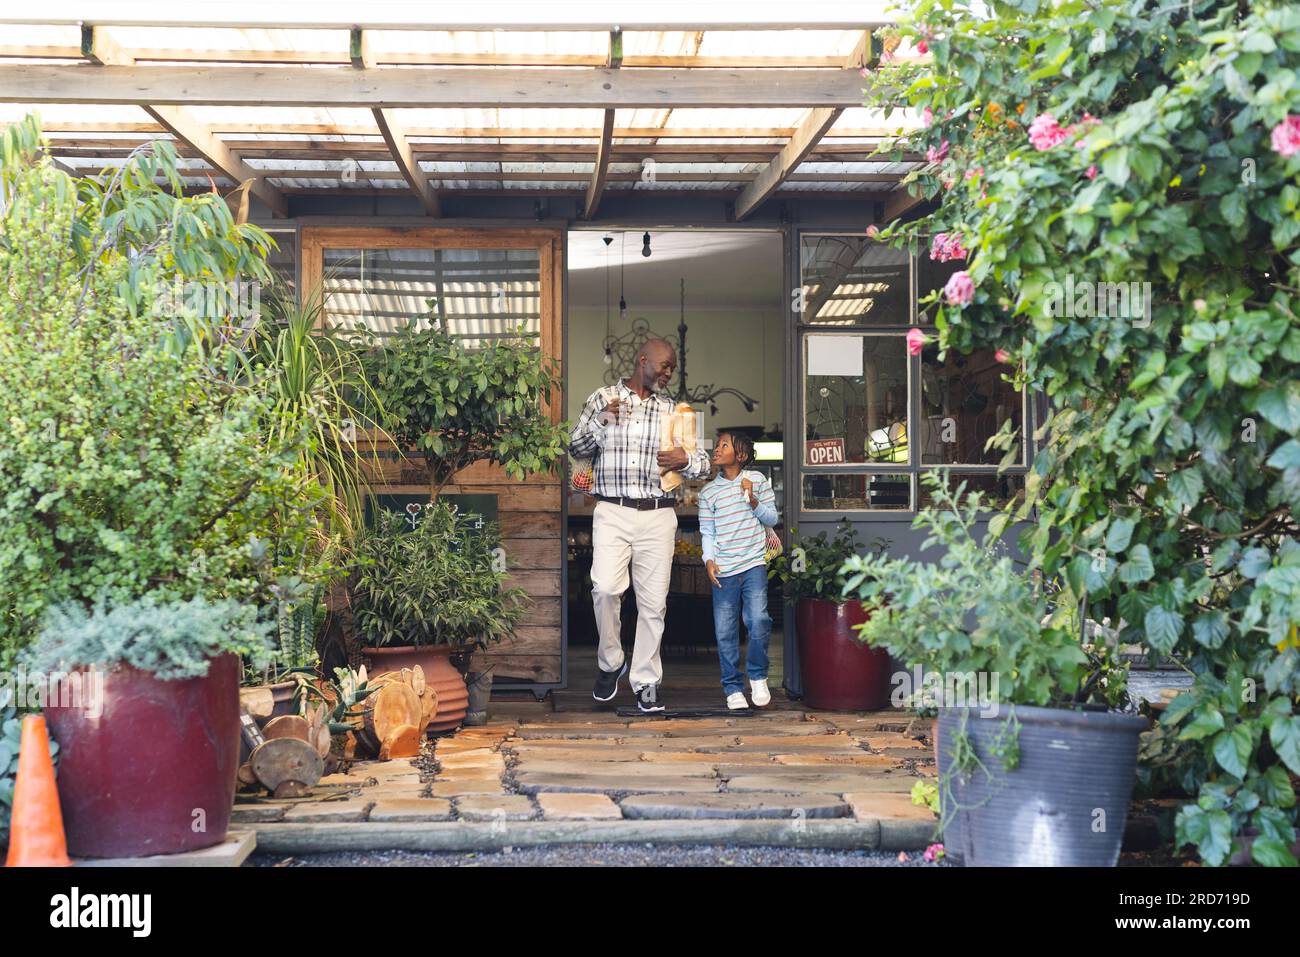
point(504, 99)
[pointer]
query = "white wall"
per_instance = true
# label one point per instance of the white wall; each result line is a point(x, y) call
point(739, 347)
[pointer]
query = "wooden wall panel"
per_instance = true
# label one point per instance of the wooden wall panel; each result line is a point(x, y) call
point(529, 512)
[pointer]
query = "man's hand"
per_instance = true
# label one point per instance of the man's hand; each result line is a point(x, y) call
point(711, 568)
point(611, 415)
point(674, 460)
point(747, 487)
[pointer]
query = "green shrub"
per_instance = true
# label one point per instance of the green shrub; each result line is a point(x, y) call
point(169, 639)
point(811, 570)
point(1143, 142)
point(439, 583)
point(457, 406)
point(138, 455)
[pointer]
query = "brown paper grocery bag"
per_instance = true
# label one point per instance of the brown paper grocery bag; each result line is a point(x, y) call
point(677, 431)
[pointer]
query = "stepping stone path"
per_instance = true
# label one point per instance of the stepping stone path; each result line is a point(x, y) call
point(782, 765)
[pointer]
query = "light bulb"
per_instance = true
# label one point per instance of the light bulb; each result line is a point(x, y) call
point(645, 245)
point(609, 359)
point(622, 308)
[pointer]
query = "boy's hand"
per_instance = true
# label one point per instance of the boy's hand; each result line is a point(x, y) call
point(747, 487)
point(711, 568)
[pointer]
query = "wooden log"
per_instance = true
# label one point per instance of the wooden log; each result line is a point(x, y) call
point(418, 684)
point(284, 761)
point(402, 742)
point(287, 726)
point(246, 776)
point(394, 704)
point(428, 707)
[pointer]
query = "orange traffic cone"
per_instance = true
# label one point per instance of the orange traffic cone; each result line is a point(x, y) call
point(36, 828)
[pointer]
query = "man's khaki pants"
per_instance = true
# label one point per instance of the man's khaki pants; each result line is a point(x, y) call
point(623, 537)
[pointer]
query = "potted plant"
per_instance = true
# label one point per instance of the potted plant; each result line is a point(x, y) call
point(424, 594)
point(147, 719)
point(279, 688)
point(1036, 761)
point(839, 673)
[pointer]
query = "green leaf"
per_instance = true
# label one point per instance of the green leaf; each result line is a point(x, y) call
point(1138, 568)
point(1163, 628)
point(1286, 456)
point(1232, 750)
point(1284, 735)
point(1119, 534)
point(1206, 722)
point(1270, 852)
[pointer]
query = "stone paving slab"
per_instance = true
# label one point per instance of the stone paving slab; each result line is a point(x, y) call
point(836, 740)
point(451, 789)
point(506, 807)
point(759, 780)
point(827, 756)
point(257, 813)
point(578, 807)
point(733, 806)
point(533, 783)
point(328, 812)
point(879, 742)
point(754, 758)
point(885, 805)
point(475, 762)
point(617, 755)
point(631, 770)
point(411, 809)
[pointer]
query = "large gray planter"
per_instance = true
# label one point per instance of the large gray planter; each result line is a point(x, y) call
point(1064, 805)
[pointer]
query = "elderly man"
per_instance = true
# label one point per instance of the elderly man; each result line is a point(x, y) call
point(634, 523)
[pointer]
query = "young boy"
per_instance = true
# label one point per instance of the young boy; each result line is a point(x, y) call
point(736, 509)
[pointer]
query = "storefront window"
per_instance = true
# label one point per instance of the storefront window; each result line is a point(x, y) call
point(855, 399)
point(854, 281)
point(875, 491)
point(997, 490)
point(876, 418)
point(965, 401)
point(481, 294)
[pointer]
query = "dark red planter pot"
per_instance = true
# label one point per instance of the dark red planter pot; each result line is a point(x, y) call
point(131, 779)
point(839, 672)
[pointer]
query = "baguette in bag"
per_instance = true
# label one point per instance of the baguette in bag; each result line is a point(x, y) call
point(677, 431)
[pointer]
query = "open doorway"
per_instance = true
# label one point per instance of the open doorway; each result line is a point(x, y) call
point(718, 293)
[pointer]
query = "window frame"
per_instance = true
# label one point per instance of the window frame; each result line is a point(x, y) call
point(913, 468)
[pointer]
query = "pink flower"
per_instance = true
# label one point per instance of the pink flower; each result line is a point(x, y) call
point(1045, 132)
point(960, 289)
point(1002, 355)
point(976, 171)
point(1198, 305)
point(864, 72)
point(927, 116)
point(873, 230)
point(933, 155)
point(1091, 172)
point(946, 247)
point(1286, 136)
point(915, 341)
point(922, 48)
point(933, 853)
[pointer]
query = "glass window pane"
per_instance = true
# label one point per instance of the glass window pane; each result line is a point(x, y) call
point(997, 489)
point(855, 399)
point(843, 492)
point(964, 401)
point(853, 280)
point(481, 294)
point(284, 259)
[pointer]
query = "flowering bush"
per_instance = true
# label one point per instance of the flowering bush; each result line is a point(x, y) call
point(1154, 148)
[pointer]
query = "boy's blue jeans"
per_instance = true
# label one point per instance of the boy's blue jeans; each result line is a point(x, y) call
point(742, 594)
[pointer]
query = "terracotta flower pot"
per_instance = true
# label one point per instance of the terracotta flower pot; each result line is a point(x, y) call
point(439, 674)
point(839, 672)
point(155, 772)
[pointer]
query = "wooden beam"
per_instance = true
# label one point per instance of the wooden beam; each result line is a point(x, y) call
point(600, 169)
point(519, 15)
point(399, 144)
point(429, 87)
point(103, 51)
point(900, 201)
point(806, 136)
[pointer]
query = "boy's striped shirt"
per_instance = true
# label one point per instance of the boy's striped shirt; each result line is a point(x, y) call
point(732, 532)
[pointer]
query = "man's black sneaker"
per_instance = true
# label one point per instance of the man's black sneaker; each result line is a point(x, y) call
point(607, 683)
point(647, 699)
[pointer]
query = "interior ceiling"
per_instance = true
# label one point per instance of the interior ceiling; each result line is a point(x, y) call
point(722, 269)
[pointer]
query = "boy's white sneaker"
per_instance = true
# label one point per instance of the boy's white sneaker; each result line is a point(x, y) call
point(736, 701)
point(758, 690)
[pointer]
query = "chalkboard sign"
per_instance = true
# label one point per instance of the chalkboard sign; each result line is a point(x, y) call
point(481, 509)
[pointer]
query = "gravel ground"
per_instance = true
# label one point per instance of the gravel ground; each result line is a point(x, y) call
point(603, 855)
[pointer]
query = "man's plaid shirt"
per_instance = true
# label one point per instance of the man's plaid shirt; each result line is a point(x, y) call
point(626, 455)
